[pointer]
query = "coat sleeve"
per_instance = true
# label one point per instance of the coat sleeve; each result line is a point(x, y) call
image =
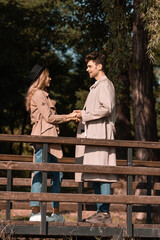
point(47, 113)
point(104, 107)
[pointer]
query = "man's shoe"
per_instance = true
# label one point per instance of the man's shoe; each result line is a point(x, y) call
point(107, 218)
point(90, 218)
point(57, 217)
point(99, 217)
point(37, 218)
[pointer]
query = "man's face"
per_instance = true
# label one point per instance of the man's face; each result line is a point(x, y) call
point(93, 69)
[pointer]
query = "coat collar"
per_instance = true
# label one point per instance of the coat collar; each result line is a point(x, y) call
point(47, 96)
point(98, 82)
point(45, 93)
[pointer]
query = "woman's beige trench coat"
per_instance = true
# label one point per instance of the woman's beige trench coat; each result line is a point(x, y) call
point(44, 119)
point(98, 117)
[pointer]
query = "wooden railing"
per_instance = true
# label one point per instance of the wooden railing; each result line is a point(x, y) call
point(78, 200)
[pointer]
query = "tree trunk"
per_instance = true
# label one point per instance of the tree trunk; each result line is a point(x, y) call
point(143, 102)
point(141, 76)
point(123, 126)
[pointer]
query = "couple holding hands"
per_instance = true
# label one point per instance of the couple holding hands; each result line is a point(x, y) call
point(96, 120)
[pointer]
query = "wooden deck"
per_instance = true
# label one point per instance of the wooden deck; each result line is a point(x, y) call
point(78, 197)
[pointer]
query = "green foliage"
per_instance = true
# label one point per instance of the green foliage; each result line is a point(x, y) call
point(81, 97)
point(31, 32)
point(118, 46)
point(60, 33)
point(150, 13)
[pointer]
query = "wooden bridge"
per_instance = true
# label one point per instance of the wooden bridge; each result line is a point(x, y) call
point(77, 197)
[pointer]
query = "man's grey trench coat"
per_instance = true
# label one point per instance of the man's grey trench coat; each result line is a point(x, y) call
point(98, 118)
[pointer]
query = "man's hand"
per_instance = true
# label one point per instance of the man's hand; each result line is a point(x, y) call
point(79, 113)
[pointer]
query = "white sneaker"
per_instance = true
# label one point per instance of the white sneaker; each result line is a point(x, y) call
point(37, 218)
point(57, 218)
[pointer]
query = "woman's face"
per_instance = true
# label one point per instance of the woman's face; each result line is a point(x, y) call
point(47, 79)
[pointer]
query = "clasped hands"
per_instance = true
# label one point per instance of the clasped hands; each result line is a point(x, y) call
point(76, 115)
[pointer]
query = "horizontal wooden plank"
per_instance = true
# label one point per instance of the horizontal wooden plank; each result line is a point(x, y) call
point(65, 183)
point(64, 206)
point(139, 163)
point(26, 205)
point(120, 162)
point(71, 183)
point(120, 170)
point(122, 208)
point(85, 230)
point(86, 198)
point(55, 229)
point(29, 158)
point(82, 224)
point(79, 141)
point(27, 182)
point(20, 158)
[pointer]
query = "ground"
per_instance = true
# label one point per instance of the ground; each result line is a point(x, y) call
point(69, 216)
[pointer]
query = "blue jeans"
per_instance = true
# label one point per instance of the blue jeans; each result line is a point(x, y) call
point(103, 188)
point(56, 178)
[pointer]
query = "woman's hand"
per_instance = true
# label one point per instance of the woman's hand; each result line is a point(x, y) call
point(71, 117)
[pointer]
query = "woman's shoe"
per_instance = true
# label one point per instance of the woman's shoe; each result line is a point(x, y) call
point(57, 217)
point(37, 218)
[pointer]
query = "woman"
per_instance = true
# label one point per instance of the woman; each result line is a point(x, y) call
point(44, 122)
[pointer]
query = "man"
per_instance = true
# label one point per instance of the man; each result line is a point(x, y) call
point(98, 117)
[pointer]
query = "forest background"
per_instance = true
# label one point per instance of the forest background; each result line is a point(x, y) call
point(60, 34)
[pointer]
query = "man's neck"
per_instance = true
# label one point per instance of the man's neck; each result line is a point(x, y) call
point(100, 76)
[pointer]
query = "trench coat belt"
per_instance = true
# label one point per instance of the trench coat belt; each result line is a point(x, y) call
point(112, 126)
point(107, 122)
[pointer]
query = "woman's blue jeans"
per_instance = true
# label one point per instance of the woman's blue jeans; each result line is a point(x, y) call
point(103, 188)
point(56, 178)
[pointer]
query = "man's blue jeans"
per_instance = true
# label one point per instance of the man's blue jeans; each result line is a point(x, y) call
point(56, 178)
point(103, 188)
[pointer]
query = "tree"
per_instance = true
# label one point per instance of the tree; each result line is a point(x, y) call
point(141, 75)
point(35, 30)
point(106, 27)
point(118, 47)
point(142, 82)
point(61, 33)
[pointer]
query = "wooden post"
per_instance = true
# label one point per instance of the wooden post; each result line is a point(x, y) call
point(149, 178)
point(129, 192)
point(9, 188)
point(43, 229)
point(80, 190)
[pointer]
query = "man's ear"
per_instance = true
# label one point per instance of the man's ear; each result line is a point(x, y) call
point(99, 66)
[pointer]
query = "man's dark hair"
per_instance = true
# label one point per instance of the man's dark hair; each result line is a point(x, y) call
point(98, 58)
